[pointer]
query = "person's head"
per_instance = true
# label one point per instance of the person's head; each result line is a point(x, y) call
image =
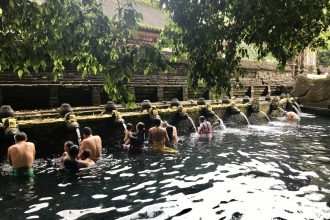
point(201, 119)
point(73, 151)
point(86, 131)
point(140, 127)
point(165, 124)
point(85, 154)
point(67, 145)
point(20, 136)
point(285, 113)
point(158, 122)
point(129, 126)
point(169, 130)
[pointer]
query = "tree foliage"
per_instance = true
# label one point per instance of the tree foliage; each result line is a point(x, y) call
point(212, 33)
point(58, 34)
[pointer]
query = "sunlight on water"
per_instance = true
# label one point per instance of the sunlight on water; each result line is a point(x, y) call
point(279, 170)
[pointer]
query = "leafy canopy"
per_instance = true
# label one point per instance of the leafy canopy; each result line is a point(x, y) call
point(211, 33)
point(59, 34)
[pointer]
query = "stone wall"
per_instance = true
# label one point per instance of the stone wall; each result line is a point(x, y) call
point(313, 90)
point(259, 78)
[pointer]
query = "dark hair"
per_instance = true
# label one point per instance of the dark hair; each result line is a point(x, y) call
point(68, 144)
point(202, 118)
point(73, 151)
point(169, 131)
point(86, 154)
point(140, 126)
point(129, 126)
point(158, 122)
point(20, 136)
point(87, 131)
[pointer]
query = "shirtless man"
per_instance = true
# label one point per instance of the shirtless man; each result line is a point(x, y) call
point(92, 143)
point(21, 155)
point(292, 116)
point(158, 137)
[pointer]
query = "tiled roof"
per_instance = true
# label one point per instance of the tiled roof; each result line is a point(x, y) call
point(152, 17)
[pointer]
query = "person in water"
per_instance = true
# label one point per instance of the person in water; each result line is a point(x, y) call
point(136, 141)
point(291, 116)
point(128, 133)
point(21, 156)
point(67, 146)
point(70, 162)
point(85, 161)
point(158, 138)
point(171, 133)
point(91, 142)
point(205, 127)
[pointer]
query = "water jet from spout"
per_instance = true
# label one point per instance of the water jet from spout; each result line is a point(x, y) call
point(78, 135)
point(241, 113)
point(193, 124)
point(265, 115)
point(223, 126)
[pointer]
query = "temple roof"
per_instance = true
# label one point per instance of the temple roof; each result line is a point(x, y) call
point(152, 17)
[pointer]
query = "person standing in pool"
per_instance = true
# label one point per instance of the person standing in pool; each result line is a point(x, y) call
point(92, 143)
point(85, 159)
point(158, 138)
point(291, 116)
point(205, 127)
point(136, 141)
point(21, 156)
point(67, 146)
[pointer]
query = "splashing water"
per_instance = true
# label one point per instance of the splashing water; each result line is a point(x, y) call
point(247, 120)
point(265, 115)
point(296, 110)
point(78, 135)
point(297, 105)
point(193, 124)
point(124, 125)
point(223, 126)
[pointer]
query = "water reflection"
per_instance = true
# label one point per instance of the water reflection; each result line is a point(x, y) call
point(279, 170)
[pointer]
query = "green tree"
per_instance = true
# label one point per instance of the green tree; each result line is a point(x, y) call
point(57, 34)
point(211, 33)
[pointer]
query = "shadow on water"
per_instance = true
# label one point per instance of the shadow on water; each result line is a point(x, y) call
point(278, 170)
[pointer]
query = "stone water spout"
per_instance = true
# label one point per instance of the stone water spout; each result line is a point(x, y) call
point(8, 121)
point(153, 113)
point(232, 109)
point(110, 107)
point(70, 119)
point(145, 105)
point(72, 124)
point(254, 107)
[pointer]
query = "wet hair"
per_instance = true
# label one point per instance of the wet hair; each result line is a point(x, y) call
point(73, 151)
point(129, 126)
point(201, 118)
point(20, 136)
point(140, 127)
point(158, 122)
point(87, 131)
point(68, 144)
point(86, 154)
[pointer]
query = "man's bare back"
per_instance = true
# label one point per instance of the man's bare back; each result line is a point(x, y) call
point(158, 136)
point(21, 154)
point(94, 144)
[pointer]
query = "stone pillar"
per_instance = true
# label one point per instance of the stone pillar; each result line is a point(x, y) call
point(53, 99)
point(160, 93)
point(251, 92)
point(96, 96)
point(185, 93)
point(1, 99)
point(269, 91)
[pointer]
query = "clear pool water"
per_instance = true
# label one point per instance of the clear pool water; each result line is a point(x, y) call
point(278, 170)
